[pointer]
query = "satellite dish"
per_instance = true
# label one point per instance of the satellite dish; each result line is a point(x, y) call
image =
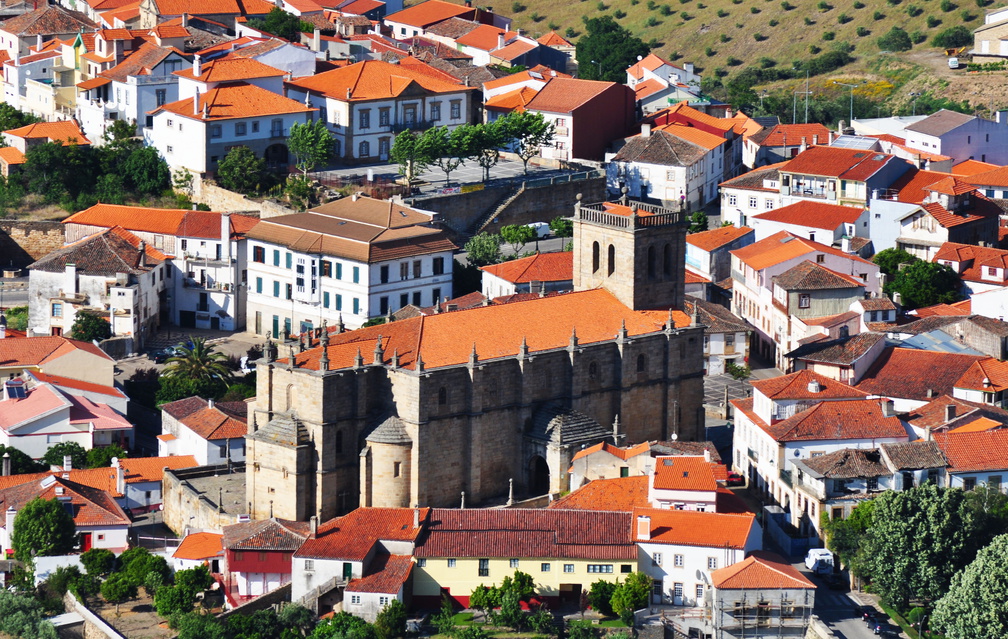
point(639, 58)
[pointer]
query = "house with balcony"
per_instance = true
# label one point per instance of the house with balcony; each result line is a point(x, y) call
point(952, 211)
point(822, 222)
point(257, 557)
point(845, 359)
point(756, 299)
point(781, 142)
point(726, 337)
point(750, 194)
point(837, 482)
point(763, 595)
point(838, 176)
point(368, 103)
point(205, 284)
point(342, 263)
point(112, 273)
point(802, 416)
point(587, 115)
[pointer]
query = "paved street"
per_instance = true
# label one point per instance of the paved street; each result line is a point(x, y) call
point(715, 385)
point(13, 292)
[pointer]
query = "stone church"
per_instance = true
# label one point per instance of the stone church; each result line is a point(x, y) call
point(493, 402)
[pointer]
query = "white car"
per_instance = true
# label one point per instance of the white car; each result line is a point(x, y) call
point(541, 229)
point(819, 560)
point(953, 63)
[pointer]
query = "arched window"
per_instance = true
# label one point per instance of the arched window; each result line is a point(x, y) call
point(290, 396)
point(641, 363)
point(442, 396)
point(364, 149)
point(339, 442)
point(596, 258)
point(593, 371)
point(667, 261)
point(651, 263)
point(612, 259)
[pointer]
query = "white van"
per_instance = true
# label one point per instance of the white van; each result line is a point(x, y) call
point(819, 561)
point(953, 63)
point(541, 229)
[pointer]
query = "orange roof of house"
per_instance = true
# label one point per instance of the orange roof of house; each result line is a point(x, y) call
point(165, 30)
point(979, 424)
point(690, 277)
point(200, 545)
point(124, 14)
point(973, 260)
point(831, 161)
point(513, 50)
point(235, 100)
point(915, 374)
point(515, 100)
point(951, 185)
point(553, 39)
point(997, 176)
point(819, 215)
point(616, 451)
point(523, 76)
point(386, 574)
point(649, 87)
point(484, 37)
point(35, 351)
point(989, 375)
point(619, 494)
point(649, 63)
point(912, 186)
point(796, 386)
point(89, 506)
point(693, 528)
point(9, 155)
point(427, 13)
point(684, 472)
point(496, 331)
point(352, 536)
point(970, 168)
point(151, 469)
point(683, 109)
point(57, 380)
point(692, 134)
point(231, 70)
point(177, 222)
point(197, 7)
point(760, 571)
point(373, 80)
point(564, 95)
point(784, 246)
point(65, 131)
point(718, 237)
point(541, 267)
point(360, 7)
point(94, 83)
point(976, 451)
point(792, 134)
point(980, 209)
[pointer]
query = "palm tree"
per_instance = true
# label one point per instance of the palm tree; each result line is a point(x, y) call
point(199, 361)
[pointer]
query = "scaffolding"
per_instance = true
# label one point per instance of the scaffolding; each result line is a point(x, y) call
point(762, 614)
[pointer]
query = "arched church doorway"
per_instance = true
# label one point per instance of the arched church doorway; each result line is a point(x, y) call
point(539, 476)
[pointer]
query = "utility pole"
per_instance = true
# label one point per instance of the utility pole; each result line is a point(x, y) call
point(806, 96)
point(851, 87)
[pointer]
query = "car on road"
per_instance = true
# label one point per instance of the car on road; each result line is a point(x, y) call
point(162, 355)
point(836, 581)
point(819, 561)
point(885, 629)
point(735, 479)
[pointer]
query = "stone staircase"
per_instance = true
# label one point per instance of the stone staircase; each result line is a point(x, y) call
point(502, 204)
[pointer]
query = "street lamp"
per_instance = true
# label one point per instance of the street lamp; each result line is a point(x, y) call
point(851, 86)
point(599, 68)
point(915, 95)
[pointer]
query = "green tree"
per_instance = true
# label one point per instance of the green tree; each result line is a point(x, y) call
point(11, 194)
point(138, 564)
point(484, 599)
point(197, 578)
point(297, 619)
point(529, 131)
point(147, 172)
point(42, 528)
point(117, 589)
point(411, 152)
point(60, 173)
point(888, 260)
point(918, 539)
point(631, 595)
point(54, 456)
point(486, 141)
point(957, 36)
point(98, 561)
point(896, 39)
point(542, 622)
point(178, 387)
point(975, 606)
point(170, 600)
point(11, 118)
point(510, 613)
point(311, 144)
point(391, 621)
point(845, 537)
point(90, 327)
point(924, 284)
point(444, 619)
point(24, 616)
point(199, 361)
point(472, 632)
point(606, 50)
point(281, 24)
point(562, 226)
point(20, 462)
point(521, 584)
point(698, 222)
point(101, 456)
point(600, 597)
point(343, 625)
point(193, 625)
point(241, 170)
point(483, 249)
point(449, 147)
point(517, 235)
point(111, 189)
point(581, 630)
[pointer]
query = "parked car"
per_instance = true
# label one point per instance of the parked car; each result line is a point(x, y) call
point(735, 479)
point(164, 354)
point(885, 629)
point(819, 561)
point(541, 229)
point(836, 581)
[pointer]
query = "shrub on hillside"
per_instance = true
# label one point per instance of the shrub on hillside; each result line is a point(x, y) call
point(896, 40)
point(957, 36)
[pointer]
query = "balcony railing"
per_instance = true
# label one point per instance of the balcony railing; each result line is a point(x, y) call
point(753, 455)
point(415, 125)
point(785, 476)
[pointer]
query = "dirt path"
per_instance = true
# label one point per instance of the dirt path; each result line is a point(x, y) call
point(983, 90)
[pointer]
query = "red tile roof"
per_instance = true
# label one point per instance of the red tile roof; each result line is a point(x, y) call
point(565, 95)
point(138, 470)
point(235, 100)
point(553, 39)
point(65, 132)
point(430, 12)
point(716, 238)
point(91, 506)
point(693, 528)
point(940, 309)
point(988, 375)
point(352, 536)
point(973, 260)
point(696, 136)
point(616, 451)
point(819, 215)
point(683, 472)
point(541, 267)
point(374, 80)
point(519, 532)
point(994, 177)
point(796, 387)
point(231, 70)
point(980, 208)
point(791, 135)
point(620, 494)
point(48, 20)
point(975, 451)
point(784, 246)
point(915, 374)
point(59, 381)
point(516, 100)
point(683, 111)
point(484, 37)
point(761, 571)
point(386, 574)
point(266, 534)
point(828, 421)
point(35, 351)
point(360, 7)
point(223, 420)
point(177, 222)
point(970, 168)
point(831, 161)
point(951, 186)
point(200, 545)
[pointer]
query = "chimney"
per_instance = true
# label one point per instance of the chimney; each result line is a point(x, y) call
point(804, 145)
point(195, 103)
point(645, 130)
point(210, 403)
point(70, 283)
point(197, 65)
point(814, 386)
point(143, 254)
point(120, 476)
point(831, 138)
point(950, 412)
point(3, 325)
point(706, 455)
point(316, 40)
point(185, 20)
point(67, 463)
point(688, 68)
point(643, 527)
point(887, 408)
point(845, 244)
point(416, 517)
point(225, 236)
point(11, 514)
point(815, 139)
point(927, 433)
point(313, 521)
point(500, 40)
point(6, 464)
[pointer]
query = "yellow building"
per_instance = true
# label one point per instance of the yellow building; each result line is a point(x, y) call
point(564, 551)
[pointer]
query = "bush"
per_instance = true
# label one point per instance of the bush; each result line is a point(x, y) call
point(600, 597)
point(766, 63)
point(721, 13)
point(786, 6)
point(809, 21)
point(685, 16)
point(619, 14)
point(391, 621)
point(878, 15)
point(758, 37)
point(652, 5)
point(710, 52)
point(774, 23)
point(732, 61)
point(720, 72)
point(967, 16)
point(813, 49)
point(859, 5)
point(896, 40)
point(829, 35)
point(98, 561)
point(738, 372)
point(917, 36)
point(601, 6)
point(517, 7)
point(843, 18)
point(913, 10)
point(933, 22)
point(956, 36)
point(665, 10)
point(652, 21)
point(948, 5)
point(862, 32)
point(754, 10)
point(824, 6)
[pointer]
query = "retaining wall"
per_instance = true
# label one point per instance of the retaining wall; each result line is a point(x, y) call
point(225, 201)
point(23, 242)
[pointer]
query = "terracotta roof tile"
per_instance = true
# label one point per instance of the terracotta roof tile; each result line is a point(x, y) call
point(231, 70)
point(784, 246)
point(47, 21)
point(352, 536)
point(791, 135)
point(977, 425)
point(236, 100)
point(105, 253)
point(198, 7)
point(137, 470)
point(177, 222)
point(683, 112)
point(973, 260)
point(693, 528)
point(693, 135)
point(515, 100)
point(620, 494)
point(564, 95)
point(664, 147)
point(616, 451)
point(360, 7)
point(374, 80)
point(753, 180)
point(830, 161)
point(90, 506)
point(760, 571)
point(386, 574)
point(980, 209)
point(831, 420)
point(951, 186)
point(683, 472)
point(989, 375)
point(483, 37)
point(809, 276)
point(975, 452)
point(943, 310)
point(969, 168)
point(35, 351)
point(541, 267)
point(877, 304)
point(140, 62)
point(819, 215)
point(553, 39)
point(914, 455)
point(200, 545)
point(64, 131)
point(9, 155)
point(513, 50)
point(796, 387)
point(430, 12)
point(915, 374)
point(519, 532)
point(265, 534)
point(849, 463)
point(716, 238)
point(842, 352)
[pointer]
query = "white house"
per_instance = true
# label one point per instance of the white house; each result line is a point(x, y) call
point(975, 458)
point(750, 194)
point(820, 222)
point(199, 549)
point(290, 58)
point(708, 253)
point(344, 262)
point(726, 337)
point(961, 137)
point(213, 432)
point(539, 273)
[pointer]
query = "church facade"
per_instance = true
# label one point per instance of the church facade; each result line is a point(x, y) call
point(478, 405)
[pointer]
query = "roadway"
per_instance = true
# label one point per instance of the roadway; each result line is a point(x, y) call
point(13, 292)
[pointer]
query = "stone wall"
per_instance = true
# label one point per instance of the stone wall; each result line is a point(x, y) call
point(818, 630)
point(225, 201)
point(276, 599)
point(23, 242)
point(461, 210)
point(186, 507)
point(94, 626)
